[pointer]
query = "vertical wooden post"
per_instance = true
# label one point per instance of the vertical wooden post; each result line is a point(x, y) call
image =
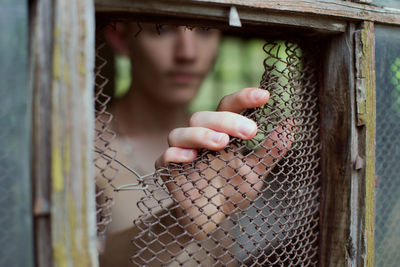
point(348, 147)
point(41, 77)
point(366, 117)
point(337, 88)
point(73, 190)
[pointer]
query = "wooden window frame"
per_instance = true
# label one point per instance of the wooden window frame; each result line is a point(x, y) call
point(63, 85)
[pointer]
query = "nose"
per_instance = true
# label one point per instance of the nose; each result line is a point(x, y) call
point(186, 49)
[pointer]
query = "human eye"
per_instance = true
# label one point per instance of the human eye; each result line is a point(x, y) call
point(205, 32)
point(165, 29)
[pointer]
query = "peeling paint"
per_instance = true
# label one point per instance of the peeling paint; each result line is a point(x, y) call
point(60, 255)
point(57, 170)
point(368, 117)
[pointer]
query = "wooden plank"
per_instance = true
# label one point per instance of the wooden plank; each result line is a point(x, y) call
point(335, 8)
point(217, 12)
point(365, 83)
point(72, 122)
point(347, 136)
point(301, 11)
point(360, 240)
point(40, 68)
point(337, 86)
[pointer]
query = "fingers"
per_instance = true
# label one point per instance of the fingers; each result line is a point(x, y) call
point(177, 155)
point(211, 130)
point(208, 130)
point(197, 137)
point(243, 99)
point(227, 122)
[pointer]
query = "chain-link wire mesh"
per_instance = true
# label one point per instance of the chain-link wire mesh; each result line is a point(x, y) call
point(254, 203)
point(387, 207)
point(105, 155)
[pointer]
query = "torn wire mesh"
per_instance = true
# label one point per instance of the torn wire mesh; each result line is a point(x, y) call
point(254, 203)
point(104, 155)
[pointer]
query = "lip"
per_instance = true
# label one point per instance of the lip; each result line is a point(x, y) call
point(183, 77)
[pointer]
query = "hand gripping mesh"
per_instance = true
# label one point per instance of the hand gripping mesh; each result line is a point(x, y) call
point(254, 203)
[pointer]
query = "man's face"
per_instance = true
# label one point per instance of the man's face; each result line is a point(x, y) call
point(171, 62)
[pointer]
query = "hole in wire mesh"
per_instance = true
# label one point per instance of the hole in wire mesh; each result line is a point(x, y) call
point(253, 203)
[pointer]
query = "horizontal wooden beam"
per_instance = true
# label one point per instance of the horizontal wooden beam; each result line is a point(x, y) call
point(321, 15)
point(335, 8)
point(218, 13)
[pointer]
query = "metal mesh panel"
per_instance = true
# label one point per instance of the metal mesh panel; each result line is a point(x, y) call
point(105, 155)
point(253, 203)
point(387, 203)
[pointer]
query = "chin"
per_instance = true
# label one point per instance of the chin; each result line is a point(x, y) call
point(180, 96)
point(179, 100)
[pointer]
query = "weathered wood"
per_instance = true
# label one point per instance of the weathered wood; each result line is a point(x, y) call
point(347, 135)
point(366, 115)
point(337, 86)
point(72, 122)
point(302, 11)
point(219, 12)
point(40, 67)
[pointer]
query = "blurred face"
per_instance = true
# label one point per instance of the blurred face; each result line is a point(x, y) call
point(169, 64)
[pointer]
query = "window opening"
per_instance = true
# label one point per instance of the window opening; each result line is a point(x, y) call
point(253, 203)
point(387, 203)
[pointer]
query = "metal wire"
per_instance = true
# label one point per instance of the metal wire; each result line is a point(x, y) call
point(387, 202)
point(106, 173)
point(254, 203)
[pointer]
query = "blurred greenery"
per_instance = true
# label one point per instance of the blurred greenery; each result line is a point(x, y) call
point(122, 75)
point(395, 68)
point(239, 65)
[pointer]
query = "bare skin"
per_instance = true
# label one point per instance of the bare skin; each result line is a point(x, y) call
point(167, 71)
point(209, 205)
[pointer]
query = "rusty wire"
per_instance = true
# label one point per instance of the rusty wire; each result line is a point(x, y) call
point(254, 203)
point(105, 155)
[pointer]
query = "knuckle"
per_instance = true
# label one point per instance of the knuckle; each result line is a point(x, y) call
point(203, 136)
point(197, 136)
point(244, 97)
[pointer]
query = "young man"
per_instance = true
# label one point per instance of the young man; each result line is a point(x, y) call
point(168, 66)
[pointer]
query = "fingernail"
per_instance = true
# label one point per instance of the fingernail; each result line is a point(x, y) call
point(216, 137)
point(259, 94)
point(247, 128)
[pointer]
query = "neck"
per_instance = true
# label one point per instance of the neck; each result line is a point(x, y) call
point(139, 114)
